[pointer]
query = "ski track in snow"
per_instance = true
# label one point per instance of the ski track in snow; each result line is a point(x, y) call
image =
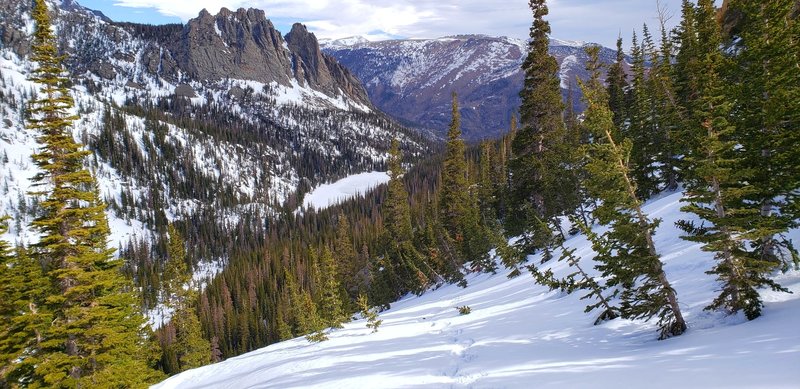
point(520, 335)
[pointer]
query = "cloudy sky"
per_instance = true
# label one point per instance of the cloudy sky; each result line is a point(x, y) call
point(588, 20)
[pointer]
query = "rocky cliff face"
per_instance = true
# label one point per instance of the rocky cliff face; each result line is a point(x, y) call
point(241, 44)
point(413, 79)
point(318, 69)
point(238, 45)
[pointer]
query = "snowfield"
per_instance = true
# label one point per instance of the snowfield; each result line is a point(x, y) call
point(347, 188)
point(520, 335)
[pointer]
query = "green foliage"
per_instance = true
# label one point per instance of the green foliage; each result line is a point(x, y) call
point(579, 279)
point(763, 85)
point(368, 313)
point(460, 212)
point(464, 310)
point(542, 168)
point(404, 268)
point(617, 82)
point(23, 288)
point(330, 304)
point(350, 263)
point(95, 332)
point(723, 184)
point(317, 336)
point(626, 253)
point(454, 197)
point(184, 346)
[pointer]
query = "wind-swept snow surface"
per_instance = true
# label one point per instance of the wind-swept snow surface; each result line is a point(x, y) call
point(520, 335)
point(328, 195)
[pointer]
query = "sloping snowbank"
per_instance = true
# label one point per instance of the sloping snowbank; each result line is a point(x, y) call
point(520, 335)
point(349, 187)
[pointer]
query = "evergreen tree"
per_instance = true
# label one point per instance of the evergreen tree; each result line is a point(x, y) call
point(540, 188)
point(763, 83)
point(368, 313)
point(95, 338)
point(303, 311)
point(626, 253)
point(23, 289)
point(454, 196)
point(330, 303)
point(717, 185)
point(666, 111)
point(578, 279)
point(189, 347)
point(460, 213)
point(640, 128)
point(192, 349)
point(176, 271)
point(7, 306)
point(686, 71)
point(404, 269)
point(617, 82)
point(382, 289)
point(487, 200)
point(349, 262)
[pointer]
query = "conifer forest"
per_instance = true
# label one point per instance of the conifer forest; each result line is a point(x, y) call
point(634, 225)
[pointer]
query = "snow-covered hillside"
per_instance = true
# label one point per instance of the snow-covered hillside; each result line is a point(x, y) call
point(345, 189)
point(180, 145)
point(520, 335)
point(170, 146)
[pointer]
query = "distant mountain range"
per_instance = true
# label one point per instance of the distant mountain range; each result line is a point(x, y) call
point(412, 79)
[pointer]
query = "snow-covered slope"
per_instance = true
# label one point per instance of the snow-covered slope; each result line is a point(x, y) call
point(347, 188)
point(520, 335)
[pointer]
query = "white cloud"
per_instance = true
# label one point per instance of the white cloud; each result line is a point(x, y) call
point(592, 20)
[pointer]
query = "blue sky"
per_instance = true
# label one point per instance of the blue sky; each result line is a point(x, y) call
point(588, 20)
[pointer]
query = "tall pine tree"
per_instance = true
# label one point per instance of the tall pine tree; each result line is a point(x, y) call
point(95, 338)
point(330, 303)
point(403, 268)
point(540, 187)
point(190, 349)
point(764, 85)
point(617, 82)
point(627, 253)
point(454, 198)
point(717, 185)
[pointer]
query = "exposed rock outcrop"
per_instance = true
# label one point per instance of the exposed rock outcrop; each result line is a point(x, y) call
point(239, 45)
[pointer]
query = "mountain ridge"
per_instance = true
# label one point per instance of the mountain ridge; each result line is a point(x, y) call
point(412, 79)
point(170, 146)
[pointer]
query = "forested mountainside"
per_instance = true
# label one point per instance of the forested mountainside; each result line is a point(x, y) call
point(686, 148)
point(217, 117)
point(412, 79)
point(669, 206)
point(217, 127)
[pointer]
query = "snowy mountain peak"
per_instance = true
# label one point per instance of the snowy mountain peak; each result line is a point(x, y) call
point(569, 43)
point(413, 78)
point(350, 41)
